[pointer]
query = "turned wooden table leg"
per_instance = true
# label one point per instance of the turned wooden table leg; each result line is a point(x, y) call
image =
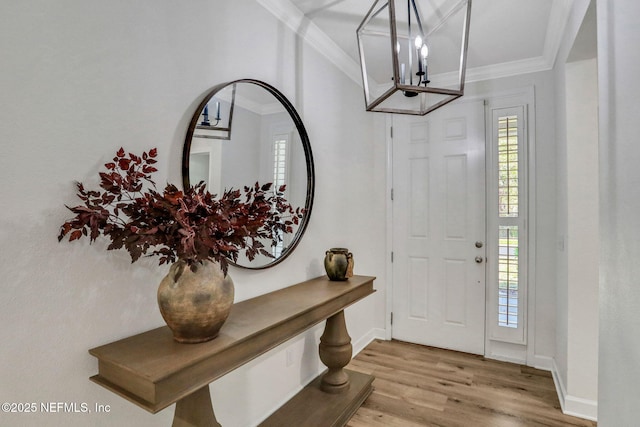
point(195, 410)
point(335, 352)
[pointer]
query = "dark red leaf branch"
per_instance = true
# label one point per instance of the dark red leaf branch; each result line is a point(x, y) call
point(191, 225)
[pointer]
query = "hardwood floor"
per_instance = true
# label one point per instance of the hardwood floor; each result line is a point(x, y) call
point(426, 386)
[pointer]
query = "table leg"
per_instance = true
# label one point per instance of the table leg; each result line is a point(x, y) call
point(195, 410)
point(335, 352)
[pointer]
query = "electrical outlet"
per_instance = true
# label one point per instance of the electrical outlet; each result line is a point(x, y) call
point(289, 357)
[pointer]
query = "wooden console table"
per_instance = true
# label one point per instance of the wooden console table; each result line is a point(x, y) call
point(153, 371)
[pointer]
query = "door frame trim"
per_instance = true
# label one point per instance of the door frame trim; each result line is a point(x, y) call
point(389, 219)
point(524, 354)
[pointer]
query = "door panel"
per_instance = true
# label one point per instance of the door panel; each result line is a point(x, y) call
point(438, 216)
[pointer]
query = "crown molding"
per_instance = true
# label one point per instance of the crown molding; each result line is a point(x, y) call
point(508, 69)
point(257, 108)
point(557, 26)
point(291, 16)
point(251, 105)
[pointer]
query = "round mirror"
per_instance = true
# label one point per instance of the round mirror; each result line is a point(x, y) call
point(244, 132)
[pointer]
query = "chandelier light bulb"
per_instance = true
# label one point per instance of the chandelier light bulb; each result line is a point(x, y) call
point(424, 51)
point(418, 42)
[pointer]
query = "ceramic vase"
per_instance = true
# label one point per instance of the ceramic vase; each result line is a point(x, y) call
point(195, 304)
point(338, 263)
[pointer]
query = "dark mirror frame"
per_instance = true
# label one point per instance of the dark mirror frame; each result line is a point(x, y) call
point(304, 138)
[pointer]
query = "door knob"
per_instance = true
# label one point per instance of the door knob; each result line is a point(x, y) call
point(479, 245)
point(479, 259)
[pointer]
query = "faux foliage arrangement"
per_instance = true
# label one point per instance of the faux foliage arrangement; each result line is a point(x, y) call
point(191, 225)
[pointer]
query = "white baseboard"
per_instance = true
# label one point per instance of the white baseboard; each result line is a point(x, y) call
point(582, 408)
point(544, 363)
point(375, 333)
point(571, 405)
point(503, 358)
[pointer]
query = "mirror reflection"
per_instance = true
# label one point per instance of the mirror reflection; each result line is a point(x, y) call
point(247, 131)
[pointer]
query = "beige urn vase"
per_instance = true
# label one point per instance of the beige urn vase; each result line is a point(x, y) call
point(195, 304)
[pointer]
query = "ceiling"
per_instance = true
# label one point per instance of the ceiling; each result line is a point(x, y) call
point(506, 37)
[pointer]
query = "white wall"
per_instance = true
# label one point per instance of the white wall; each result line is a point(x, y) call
point(81, 79)
point(244, 149)
point(575, 370)
point(582, 244)
point(561, 278)
point(619, 349)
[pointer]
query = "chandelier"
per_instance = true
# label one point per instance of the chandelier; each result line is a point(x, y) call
point(216, 114)
point(413, 54)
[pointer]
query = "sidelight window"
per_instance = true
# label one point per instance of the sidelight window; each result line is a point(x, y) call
point(508, 203)
point(280, 145)
point(280, 173)
point(507, 276)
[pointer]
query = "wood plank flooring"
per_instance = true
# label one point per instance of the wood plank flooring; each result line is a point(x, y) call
point(425, 386)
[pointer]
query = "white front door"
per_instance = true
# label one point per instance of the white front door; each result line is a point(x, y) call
point(439, 227)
